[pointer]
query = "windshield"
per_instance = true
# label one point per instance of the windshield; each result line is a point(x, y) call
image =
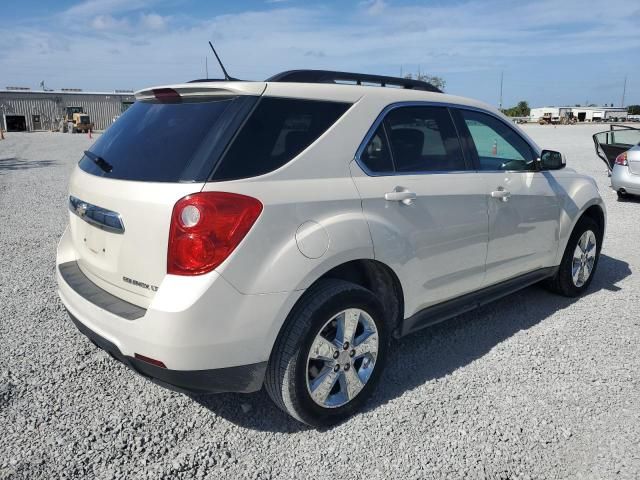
point(168, 142)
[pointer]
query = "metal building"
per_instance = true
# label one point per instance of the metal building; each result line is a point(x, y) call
point(581, 114)
point(23, 109)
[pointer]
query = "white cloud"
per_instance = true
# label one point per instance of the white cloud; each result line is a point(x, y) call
point(374, 7)
point(91, 8)
point(107, 22)
point(153, 21)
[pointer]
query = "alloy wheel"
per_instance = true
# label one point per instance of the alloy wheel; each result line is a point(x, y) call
point(342, 358)
point(584, 258)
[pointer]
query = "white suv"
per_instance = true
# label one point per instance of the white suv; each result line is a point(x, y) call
point(226, 235)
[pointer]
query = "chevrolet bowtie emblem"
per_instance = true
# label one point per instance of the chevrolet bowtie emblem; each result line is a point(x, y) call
point(99, 217)
point(81, 209)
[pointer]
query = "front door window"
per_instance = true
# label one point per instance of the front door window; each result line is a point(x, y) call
point(499, 147)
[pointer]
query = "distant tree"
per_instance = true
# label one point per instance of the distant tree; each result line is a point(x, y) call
point(434, 80)
point(633, 109)
point(520, 110)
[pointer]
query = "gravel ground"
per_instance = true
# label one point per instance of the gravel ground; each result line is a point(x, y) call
point(532, 386)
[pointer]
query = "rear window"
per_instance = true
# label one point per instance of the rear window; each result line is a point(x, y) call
point(167, 142)
point(277, 131)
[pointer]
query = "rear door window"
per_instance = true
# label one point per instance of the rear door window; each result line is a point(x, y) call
point(276, 132)
point(424, 139)
point(167, 142)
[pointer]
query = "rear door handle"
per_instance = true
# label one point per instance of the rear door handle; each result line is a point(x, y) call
point(501, 193)
point(404, 196)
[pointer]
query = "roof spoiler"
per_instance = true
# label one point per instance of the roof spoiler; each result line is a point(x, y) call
point(170, 93)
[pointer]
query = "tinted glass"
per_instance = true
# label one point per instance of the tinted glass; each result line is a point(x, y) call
point(499, 146)
point(375, 155)
point(276, 132)
point(166, 142)
point(424, 139)
point(624, 137)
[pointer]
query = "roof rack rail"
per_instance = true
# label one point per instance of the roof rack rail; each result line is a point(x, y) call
point(328, 76)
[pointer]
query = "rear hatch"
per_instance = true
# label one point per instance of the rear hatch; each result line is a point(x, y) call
point(122, 193)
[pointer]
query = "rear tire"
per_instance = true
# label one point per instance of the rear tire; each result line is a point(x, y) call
point(329, 355)
point(580, 260)
point(621, 195)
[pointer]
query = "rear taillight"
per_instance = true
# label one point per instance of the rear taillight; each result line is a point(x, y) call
point(205, 228)
point(622, 159)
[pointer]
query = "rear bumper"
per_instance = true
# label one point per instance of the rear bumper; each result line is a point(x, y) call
point(244, 378)
point(210, 337)
point(622, 178)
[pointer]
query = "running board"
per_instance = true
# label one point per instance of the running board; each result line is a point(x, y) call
point(452, 308)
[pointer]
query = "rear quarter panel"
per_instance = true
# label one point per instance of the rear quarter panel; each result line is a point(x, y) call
point(314, 188)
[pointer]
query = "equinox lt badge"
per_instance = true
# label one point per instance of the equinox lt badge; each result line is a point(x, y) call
point(153, 288)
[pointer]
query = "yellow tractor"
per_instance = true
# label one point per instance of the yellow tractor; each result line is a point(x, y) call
point(75, 120)
point(546, 119)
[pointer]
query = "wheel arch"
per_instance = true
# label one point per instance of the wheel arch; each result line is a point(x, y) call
point(370, 274)
point(380, 279)
point(593, 209)
point(596, 213)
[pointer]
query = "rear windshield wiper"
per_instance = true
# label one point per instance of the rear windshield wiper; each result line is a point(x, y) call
point(98, 160)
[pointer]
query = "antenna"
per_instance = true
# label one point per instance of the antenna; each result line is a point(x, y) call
point(226, 75)
point(501, 80)
point(206, 67)
point(624, 91)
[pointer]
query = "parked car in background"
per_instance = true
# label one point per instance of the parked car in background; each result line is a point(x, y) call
point(619, 148)
point(227, 235)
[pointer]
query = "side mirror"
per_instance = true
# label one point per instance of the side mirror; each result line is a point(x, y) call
point(551, 160)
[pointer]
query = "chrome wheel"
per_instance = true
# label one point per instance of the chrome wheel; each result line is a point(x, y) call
point(342, 358)
point(584, 258)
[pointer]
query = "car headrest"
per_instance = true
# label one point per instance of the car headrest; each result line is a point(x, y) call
point(407, 142)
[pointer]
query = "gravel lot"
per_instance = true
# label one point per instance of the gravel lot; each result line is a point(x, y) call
point(532, 386)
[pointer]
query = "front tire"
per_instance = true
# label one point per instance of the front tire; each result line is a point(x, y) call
point(580, 259)
point(329, 355)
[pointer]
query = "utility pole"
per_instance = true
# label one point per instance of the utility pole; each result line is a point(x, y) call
point(624, 91)
point(501, 81)
point(206, 67)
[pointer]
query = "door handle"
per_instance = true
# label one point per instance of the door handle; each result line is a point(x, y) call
point(501, 193)
point(404, 196)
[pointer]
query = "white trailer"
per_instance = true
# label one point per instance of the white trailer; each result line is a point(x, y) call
point(616, 115)
point(552, 115)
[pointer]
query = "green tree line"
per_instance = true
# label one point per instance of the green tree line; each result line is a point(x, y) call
point(520, 110)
